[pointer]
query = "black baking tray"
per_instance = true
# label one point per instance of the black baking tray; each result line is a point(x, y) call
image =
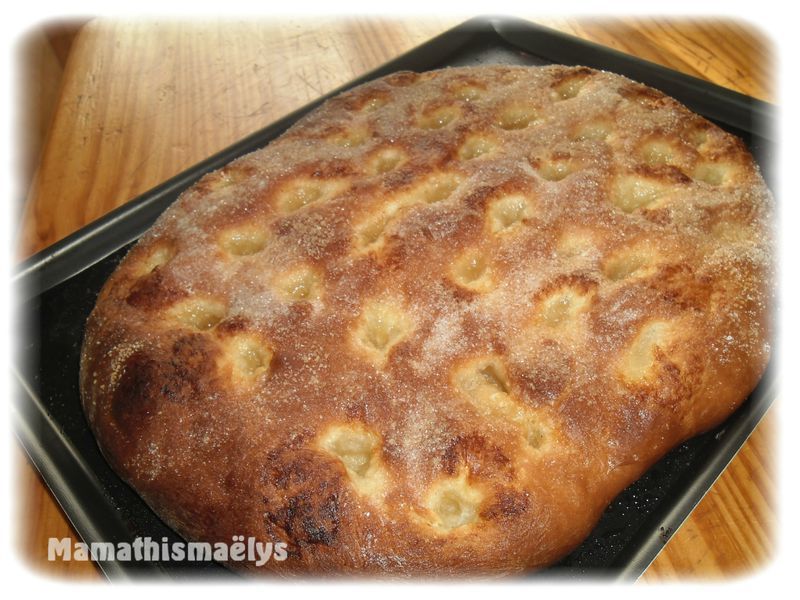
point(56, 289)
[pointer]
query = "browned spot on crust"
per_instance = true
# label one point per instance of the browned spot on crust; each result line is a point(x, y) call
point(508, 504)
point(136, 398)
point(402, 78)
point(582, 283)
point(646, 96)
point(153, 291)
point(578, 73)
point(477, 453)
point(301, 498)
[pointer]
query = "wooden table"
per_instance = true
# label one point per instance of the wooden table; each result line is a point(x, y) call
point(135, 103)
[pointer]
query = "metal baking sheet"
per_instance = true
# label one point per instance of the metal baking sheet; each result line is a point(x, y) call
point(56, 289)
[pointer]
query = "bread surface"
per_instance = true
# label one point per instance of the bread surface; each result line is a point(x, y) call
point(437, 325)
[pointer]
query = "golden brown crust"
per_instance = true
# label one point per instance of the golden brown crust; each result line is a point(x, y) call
point(437, 325)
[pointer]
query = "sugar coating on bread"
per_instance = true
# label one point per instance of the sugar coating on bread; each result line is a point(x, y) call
point(437, 325)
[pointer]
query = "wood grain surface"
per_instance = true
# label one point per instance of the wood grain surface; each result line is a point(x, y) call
point(118, 107)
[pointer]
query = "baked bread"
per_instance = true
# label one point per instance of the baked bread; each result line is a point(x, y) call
point(437, 325)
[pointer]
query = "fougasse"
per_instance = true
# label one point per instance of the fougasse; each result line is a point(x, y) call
point(436, 326)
